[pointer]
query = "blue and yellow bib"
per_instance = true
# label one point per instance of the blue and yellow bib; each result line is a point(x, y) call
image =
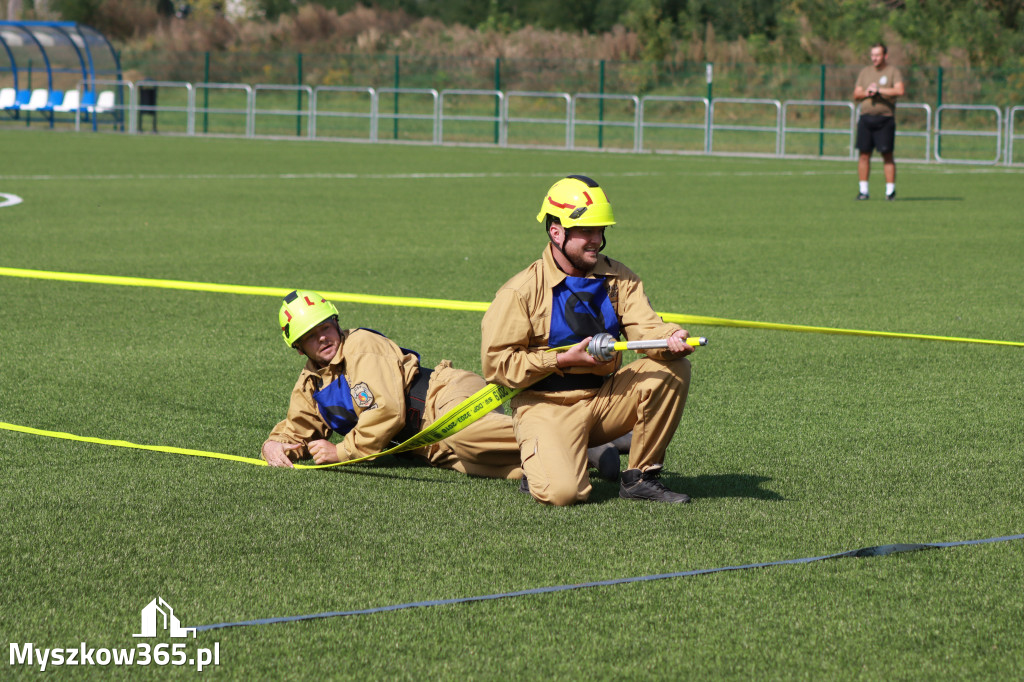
point(580, 307)
point(335, 400)
point(335, 404)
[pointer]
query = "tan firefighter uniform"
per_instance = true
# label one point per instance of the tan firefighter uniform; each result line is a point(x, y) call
point(565, 411)
point(364, 393)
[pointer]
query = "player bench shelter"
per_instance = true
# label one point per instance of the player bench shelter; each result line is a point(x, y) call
point(43, 62)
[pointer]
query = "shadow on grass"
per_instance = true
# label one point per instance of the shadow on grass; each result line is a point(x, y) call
point(724, 485)
point(902, 199)
point(699, 487)
point(379, 469)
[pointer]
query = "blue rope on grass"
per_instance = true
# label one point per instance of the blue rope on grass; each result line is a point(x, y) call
point(878, 550)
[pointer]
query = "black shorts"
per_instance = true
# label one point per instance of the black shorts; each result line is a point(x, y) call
point(876, 132)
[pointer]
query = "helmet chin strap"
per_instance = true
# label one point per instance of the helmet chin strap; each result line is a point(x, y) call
point(565, 231)
point(560, 247)
point(565, 237)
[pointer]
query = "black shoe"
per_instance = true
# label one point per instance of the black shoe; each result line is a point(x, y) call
point(637, 485)
point(524, 486)
point(605, 458)
point(891, 197)
point(862, 197)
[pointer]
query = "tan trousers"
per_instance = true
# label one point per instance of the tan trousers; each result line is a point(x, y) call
point(554, 429)
point(485, 448)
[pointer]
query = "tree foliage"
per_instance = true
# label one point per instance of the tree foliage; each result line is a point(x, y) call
point(979, 32)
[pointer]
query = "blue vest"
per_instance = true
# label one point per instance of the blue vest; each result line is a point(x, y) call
point(580, 308)
point(335, 403)
point(335, 400)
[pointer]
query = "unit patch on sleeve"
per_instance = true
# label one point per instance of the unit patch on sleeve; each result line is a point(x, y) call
point(362, 396)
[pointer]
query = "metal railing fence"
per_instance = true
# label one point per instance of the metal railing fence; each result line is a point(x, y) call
point(821, 130)
point(775, 130)
point(703, 126)
point(235, 109)
point(324, 94)
point(298, 113)
point(997, 133)
point(1010, 135)
point(539, 99)
point(600, 123)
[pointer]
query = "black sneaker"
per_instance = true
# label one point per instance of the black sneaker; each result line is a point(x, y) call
point(646, 485)
point(862, 197)
point(524, 486)
point(605, 458)
point(891, 197)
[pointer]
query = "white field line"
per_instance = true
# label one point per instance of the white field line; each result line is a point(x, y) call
point(9, 200)
point(295, 176)
point(121, 177)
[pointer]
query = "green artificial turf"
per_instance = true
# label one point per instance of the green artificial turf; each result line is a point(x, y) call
point(792, 444)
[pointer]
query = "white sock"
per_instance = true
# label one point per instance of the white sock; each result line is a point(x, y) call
point(863, 186)
point(890, 187)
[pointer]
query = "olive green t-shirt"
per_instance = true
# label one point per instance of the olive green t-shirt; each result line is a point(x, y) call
point(886, 77)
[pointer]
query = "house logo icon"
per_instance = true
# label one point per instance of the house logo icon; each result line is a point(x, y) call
point(151, 621)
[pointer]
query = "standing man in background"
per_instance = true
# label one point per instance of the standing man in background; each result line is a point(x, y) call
point(876, 90)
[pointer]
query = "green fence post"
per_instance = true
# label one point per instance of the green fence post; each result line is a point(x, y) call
point(497, 100)
point(206, 93)
point(397, 81)
point(938, 141)
point(298, 103)
point(600, 110)
point(821, 115)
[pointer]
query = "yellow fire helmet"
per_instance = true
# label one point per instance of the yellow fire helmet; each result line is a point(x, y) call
point(301, 311)
point(577, 201)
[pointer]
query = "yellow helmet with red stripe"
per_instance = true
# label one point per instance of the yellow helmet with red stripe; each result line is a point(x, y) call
point(301, 311)
point(577, 201)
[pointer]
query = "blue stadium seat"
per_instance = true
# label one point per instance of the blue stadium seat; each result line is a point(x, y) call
point(13, 103)
point(43, 101)
point(22, 98)
point(55, 99)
